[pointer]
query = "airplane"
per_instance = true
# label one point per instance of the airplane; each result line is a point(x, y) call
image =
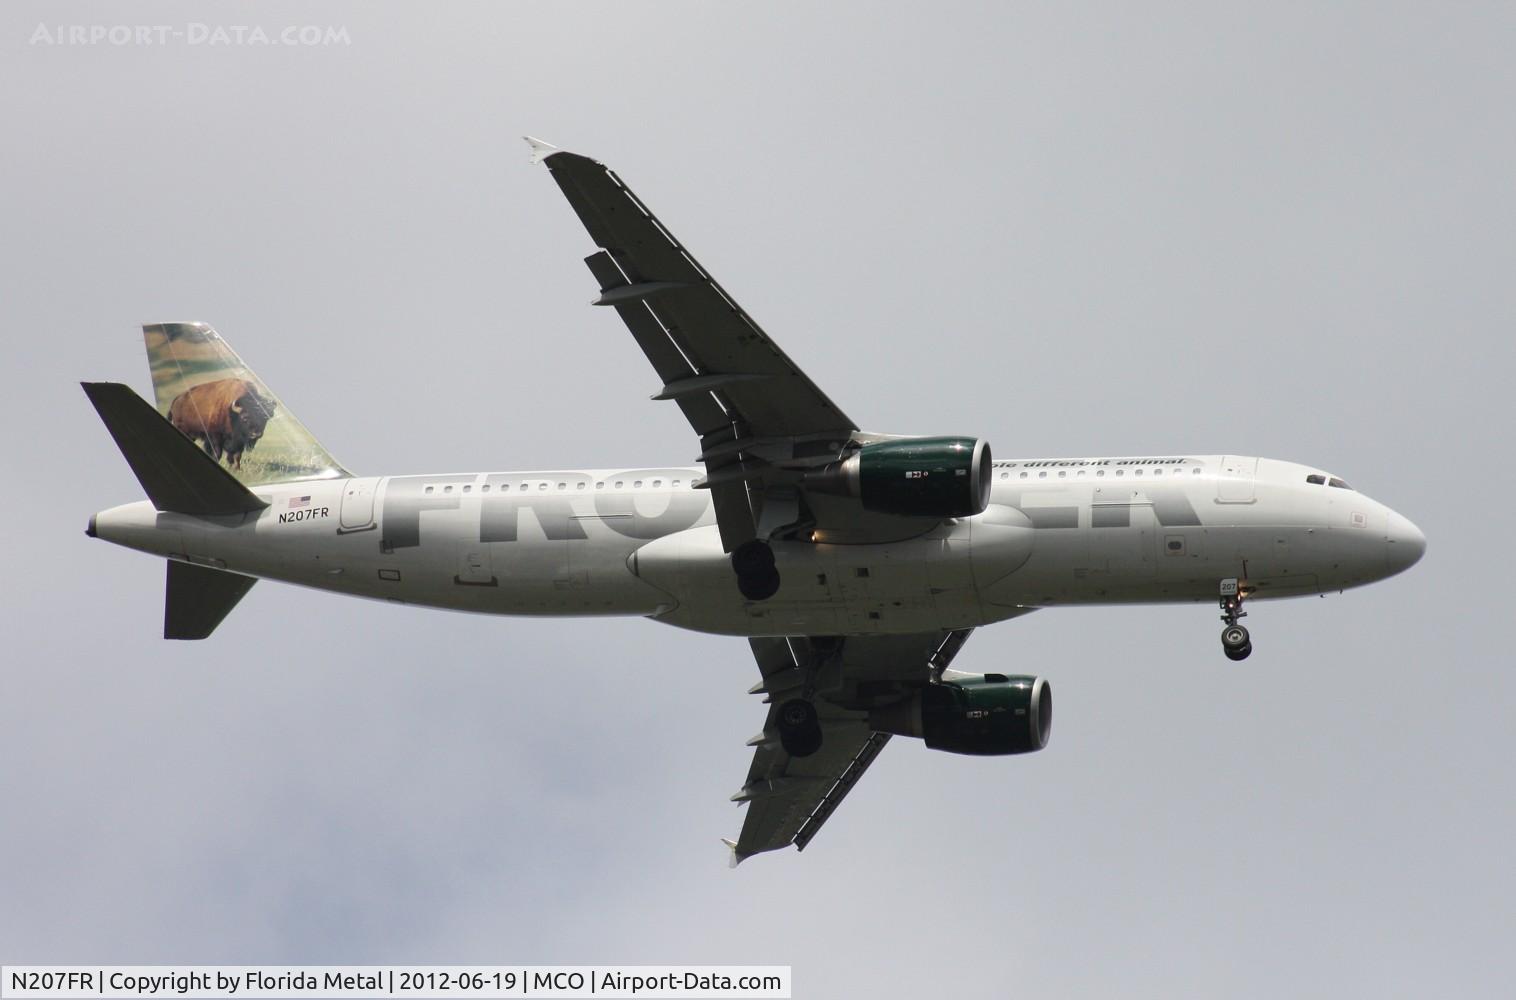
point(855, 563)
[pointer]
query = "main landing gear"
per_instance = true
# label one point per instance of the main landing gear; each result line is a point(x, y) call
point(797, 721)
point(798, 724)
point(753, 561)
point(1235, 641)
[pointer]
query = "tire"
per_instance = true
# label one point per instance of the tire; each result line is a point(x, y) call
point(752, 558)
point(799, 728)
point(759, 586)
point(802, 744)
point(1235, 637)
point(797, 713)
point(1241, 653)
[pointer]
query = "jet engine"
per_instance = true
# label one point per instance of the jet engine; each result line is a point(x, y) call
point(985, 715)
point(914, 477)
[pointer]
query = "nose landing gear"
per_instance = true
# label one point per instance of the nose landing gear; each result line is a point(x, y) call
point(1235, 640)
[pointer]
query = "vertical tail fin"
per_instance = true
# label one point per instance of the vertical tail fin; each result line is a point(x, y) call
point(206, 391)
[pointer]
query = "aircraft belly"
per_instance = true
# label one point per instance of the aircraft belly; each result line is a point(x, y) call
point(922, 583)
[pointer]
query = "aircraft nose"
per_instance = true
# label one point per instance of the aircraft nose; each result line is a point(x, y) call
point(1404, 543)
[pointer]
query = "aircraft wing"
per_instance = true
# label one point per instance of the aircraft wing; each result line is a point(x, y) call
point(752, 408)
point(789, 798)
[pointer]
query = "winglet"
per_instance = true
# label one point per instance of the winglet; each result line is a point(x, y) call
point(737, 856)
point(540, 150)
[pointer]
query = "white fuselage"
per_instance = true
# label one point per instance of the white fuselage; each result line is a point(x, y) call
point(644, 542)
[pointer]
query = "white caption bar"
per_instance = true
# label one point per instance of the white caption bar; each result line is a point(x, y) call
point(379, 982)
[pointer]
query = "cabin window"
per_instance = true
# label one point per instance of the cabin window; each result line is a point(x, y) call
point(1043, 474)
point(563, 486)
point(430, 488)
point(1062, 474)
point(600, 486)
point(485, 488)
point(657, 483)
point(468, 489)
point(637, 485)
point(447, 489)
point(1023, 475)
point(620, 483)
point(580, 486)
point(676, 484)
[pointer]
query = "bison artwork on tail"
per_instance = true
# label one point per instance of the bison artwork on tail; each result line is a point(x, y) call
point(227, 417)
point(210, 394)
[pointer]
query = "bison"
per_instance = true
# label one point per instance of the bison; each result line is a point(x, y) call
point(227, 417)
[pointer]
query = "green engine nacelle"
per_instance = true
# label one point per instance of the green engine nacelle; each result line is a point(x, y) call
point(914, 477)
point(989, 715)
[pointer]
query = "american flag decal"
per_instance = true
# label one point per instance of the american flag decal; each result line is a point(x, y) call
point(297, 503)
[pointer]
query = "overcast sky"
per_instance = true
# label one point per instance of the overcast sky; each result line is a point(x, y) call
point(1282, 230)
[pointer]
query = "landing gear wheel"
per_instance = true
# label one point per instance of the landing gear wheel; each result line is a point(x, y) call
point(760, 586)
point(799, 728)
point(753, 562)
point(1236, 642)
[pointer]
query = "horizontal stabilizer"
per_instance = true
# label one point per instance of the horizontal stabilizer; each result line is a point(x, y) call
point(175, 473)
point(197, 598)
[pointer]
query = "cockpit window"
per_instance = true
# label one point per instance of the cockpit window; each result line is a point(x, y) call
point(1334, 481)
point(1316, 480)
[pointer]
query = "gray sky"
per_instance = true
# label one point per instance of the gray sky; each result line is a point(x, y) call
point(1283, 230)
